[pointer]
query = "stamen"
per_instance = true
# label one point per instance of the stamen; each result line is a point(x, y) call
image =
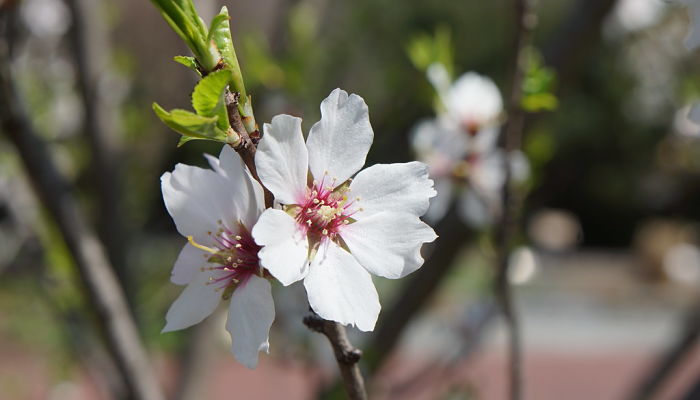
point(199, 246)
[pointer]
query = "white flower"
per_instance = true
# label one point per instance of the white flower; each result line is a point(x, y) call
point(692, 41)
point(333, 231)
point(215, 211)
point(472, 103)
point(460, 148)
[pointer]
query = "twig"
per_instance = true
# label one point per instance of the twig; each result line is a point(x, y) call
point(246, 148)
point(419, 288)
point(89, 45)
point(525, 20)
point(681, 349)
point(104, 292)
point(346, 354)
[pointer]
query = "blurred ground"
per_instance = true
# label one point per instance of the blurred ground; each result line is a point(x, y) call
point(592, 328)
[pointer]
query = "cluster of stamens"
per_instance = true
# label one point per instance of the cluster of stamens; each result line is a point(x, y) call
point(325, 210)
point(233, 258)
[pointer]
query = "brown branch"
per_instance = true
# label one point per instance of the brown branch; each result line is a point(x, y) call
point(89, 46)
point(525, 21)
point(105, 294)
point(669, 362)
point(246, 148)
point(346, 354)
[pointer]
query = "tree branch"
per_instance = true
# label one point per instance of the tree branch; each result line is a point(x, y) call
point(104, 292)
point(669, 361)
point(346, 354)
point(525, 21)
point(89, 44)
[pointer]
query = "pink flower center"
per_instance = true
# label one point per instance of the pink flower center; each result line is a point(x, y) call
point(234, 255)
point(324, 211)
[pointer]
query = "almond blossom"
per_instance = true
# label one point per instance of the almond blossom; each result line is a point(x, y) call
point(336, 225)
point(216, 209)
point(460, 147)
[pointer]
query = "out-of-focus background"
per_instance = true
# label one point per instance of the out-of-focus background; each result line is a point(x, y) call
point(606, 281)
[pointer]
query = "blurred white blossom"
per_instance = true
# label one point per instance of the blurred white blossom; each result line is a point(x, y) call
point(460, 148)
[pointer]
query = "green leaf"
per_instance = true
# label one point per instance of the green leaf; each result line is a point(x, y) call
point(185, 139)
point(207, 98)
point(424, 49)
point(221, 35)
point(189, 62)
point(190, 124)
point(189, 27)
point(216, 24)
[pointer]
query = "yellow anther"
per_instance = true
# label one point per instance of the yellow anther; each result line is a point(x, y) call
point(238, 246)
point(199, 246)
point(238, 237)
point(315, 201)
point(324, 232)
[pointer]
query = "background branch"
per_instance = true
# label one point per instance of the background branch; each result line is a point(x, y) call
point(104, 292)
point(525, 21)
point(670, 360)
point(89, 46)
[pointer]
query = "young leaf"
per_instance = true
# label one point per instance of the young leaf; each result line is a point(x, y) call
point(207, 94)
point(215, 24)
point(189, 124)
point(221, 35)
point(189, 62)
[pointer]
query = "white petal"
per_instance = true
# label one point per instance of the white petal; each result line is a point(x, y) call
point(519, 166)
point(485, 140)
point(285, 247)
point(477, 209)
point(340, 290)
point(439, 145)
point(474, 99)
point(197, 199)
point(439, 78)
point(250, 316)
point(188, 264)
point(282, 159)
point(339, 142)
point(403, 187)
point(190, 195)
point(692, 40)
point(440, 204)
point(488, 174)
point(246, 191)
point(195, 303)
point(388, 244)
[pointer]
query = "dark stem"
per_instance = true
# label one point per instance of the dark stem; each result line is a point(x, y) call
point(103, 290)
point(668, 362)
point(346, 354)
point(525, 21)
point(246, 148)
point(89, 44)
